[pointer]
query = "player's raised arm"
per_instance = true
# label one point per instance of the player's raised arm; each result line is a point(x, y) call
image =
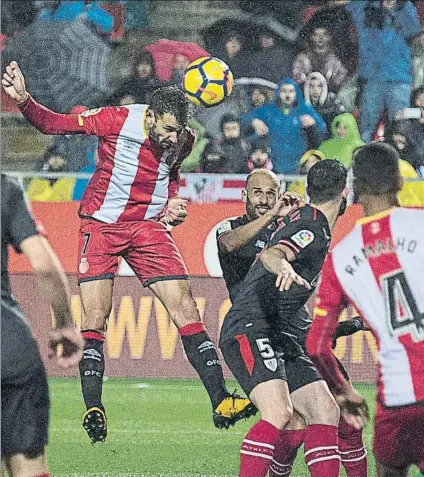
point(47, 121)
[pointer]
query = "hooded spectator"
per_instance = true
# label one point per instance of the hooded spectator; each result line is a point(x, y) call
point(325, 103)
point(345, 139)
point(319, 55)
point(235, 148)
point(309, 159)
point(213, 160)
point(292, 126)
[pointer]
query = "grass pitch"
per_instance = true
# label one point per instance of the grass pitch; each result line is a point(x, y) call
point(156, 428)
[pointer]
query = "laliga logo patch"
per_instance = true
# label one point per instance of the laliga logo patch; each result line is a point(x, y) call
point(303, 238)
point(83, 266)
point(91, 112)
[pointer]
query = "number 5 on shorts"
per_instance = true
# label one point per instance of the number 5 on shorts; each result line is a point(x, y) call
point(267, 353)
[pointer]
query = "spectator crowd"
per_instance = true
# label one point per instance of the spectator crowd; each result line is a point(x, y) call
point(353, 73)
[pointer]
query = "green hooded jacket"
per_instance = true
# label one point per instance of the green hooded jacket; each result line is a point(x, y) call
point(342, 149)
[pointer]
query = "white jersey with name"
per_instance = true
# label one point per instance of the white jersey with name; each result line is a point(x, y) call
point(379, 268)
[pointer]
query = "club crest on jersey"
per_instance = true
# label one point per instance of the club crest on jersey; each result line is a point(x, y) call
point(303, 238)
point(224, 227)
point(83, 266)
point(90, 112)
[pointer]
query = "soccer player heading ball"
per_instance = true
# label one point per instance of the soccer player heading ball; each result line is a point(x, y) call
point(127, 209)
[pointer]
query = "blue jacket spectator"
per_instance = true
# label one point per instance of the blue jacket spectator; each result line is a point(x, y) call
point(65, 11)
point(385, 32)
point(293, 126)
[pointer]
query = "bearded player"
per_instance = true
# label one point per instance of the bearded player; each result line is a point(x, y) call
point(126, 211)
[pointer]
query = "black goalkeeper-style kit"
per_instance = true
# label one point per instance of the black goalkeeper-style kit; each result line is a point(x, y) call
point(263, 334)
point(24, 393)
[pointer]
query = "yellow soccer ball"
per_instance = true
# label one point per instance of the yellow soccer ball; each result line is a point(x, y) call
point(208, 81)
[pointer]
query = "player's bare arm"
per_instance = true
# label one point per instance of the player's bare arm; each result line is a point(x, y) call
point(65, 341)
point(277, 260)
point(235, 239)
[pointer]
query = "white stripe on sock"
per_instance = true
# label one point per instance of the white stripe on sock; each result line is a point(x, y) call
point(321, 459)
point(257, 454)
point(259, 444)
point(316, 449)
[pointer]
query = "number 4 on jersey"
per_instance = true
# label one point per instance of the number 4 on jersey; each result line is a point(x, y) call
point(401, 306)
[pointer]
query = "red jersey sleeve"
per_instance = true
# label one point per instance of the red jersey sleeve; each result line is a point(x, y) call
point(329, 303)
point(98, 122)
point(103, 121)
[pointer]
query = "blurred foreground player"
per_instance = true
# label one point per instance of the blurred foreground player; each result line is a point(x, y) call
point(24, 391)
point(273, 293)
point(239, 240)
point(126, 211)
point(379, 268)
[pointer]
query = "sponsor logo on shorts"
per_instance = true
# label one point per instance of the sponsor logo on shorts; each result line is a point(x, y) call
point(83, 266)
point(205, 346)
point(260, 244)
point(303, 238)
point(91, 353)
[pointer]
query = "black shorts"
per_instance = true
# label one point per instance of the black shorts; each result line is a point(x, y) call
point(252, 359)
point(25, 413)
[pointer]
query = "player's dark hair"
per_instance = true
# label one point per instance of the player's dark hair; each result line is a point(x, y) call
point(172, 100)
point(376, 169)
point(326, 181)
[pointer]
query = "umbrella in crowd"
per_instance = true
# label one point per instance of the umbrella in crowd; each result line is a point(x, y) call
point(64, 63)
point(164, 53)
point(247, 25)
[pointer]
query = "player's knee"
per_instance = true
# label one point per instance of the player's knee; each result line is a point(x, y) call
point(186, 312)
point(326, 411)
point(95, 318)
point(278, 416)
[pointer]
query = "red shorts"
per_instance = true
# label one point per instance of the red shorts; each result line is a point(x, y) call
point(147, 247)
point(399, 436)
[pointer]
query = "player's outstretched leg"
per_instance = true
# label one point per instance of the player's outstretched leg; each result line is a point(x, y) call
point(201, 352)
point(92, 368)
point(96, 296)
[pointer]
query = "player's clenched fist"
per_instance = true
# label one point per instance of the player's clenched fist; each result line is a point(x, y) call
point(176, 211)
point(13, 83)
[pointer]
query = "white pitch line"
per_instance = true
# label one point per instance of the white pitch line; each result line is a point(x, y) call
point(149, 431)
point(168, 474)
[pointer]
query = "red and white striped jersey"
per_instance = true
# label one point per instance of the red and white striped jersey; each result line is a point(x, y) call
point(131, 181)
point(379, 269)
